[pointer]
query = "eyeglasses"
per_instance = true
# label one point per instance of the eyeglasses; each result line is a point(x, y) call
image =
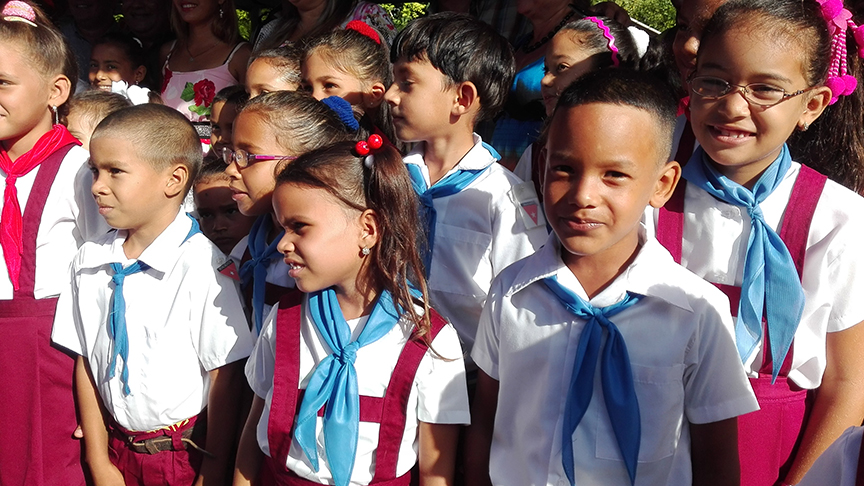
point(244, 159)
point(761, 94)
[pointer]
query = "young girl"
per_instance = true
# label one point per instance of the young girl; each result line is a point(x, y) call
point(773, 234)
point(373, 351)
point(269, 131)
point(581, 46)
point(354, 64)
point(276, 69)
point(116, 57)
point(47, 213)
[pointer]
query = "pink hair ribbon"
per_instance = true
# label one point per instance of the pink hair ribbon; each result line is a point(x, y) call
point(16, 11)
point(839, 19)
point(608, 35)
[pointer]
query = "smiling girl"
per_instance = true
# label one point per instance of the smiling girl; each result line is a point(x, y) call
point(116, 57)
point(779, 239)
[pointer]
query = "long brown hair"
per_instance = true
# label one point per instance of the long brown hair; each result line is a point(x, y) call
point(224, 26)
point(384, 187)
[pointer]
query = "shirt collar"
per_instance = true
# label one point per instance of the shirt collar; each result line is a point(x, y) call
point(477, 158)
point(160, 255)
point(647, 275)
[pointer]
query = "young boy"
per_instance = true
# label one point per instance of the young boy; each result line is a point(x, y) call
point(220, 219)
point(539, 342)
point(158, 331)
point(450, 72)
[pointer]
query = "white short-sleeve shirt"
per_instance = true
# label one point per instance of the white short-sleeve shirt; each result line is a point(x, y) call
point(479, 232)
point(70, 218)
point(714, 247)
point(183, 320)
point(685, 368)
point(438, 395)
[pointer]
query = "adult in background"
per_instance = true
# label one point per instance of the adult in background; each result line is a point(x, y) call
point(150, 22)
point(88, 21)
point(207, 56)
point(308, 18)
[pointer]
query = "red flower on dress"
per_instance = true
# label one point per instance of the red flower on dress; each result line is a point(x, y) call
point(204, 91)
point(165, 79)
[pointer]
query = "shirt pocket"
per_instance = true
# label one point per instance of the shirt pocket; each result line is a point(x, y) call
point(661, 409)
point(461, 260)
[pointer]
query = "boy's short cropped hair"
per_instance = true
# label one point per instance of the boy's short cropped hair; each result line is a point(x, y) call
point(628, 88)
point(92, 106)
point(211, 169)
point(161, 136)
point(235, 94)
point(463, 49)
point(285, 60)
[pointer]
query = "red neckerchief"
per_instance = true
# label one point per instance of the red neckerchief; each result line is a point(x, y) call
point(11, 220)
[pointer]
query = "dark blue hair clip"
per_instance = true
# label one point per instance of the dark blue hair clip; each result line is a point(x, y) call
point(343, 110)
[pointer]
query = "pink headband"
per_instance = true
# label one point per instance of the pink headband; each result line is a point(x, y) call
point(839, 20)
point(16, 11)
point(363, 28)
point(609, 37)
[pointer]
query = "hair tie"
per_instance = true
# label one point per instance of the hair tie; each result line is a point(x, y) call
point(609, 37)
point(16, 11)
point(343, 110)
point(838, 20)
point(365, 29)
point(368, 148)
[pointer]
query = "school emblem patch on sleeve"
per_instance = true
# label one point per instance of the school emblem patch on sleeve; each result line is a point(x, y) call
point(526, 198)
point(229, 270)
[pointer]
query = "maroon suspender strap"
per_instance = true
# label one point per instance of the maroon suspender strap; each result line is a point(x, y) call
point(795, 228)
point(32, 216)
point(390, 412)
point(686, 144)
point(670, 222)
point(286, 377)
point(396, 402)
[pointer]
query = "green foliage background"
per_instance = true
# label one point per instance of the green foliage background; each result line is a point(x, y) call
point(659, 14)
point(408, 11)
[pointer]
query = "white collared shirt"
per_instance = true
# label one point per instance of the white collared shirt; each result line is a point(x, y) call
point(714, 247)
point(70, 218)
point(838, 465)
point(684, 362)
point(479, 232)
point(183, 320)
point(439, 394)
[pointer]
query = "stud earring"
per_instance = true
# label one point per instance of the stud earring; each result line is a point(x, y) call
point(805, 126)
point(221, 12)
point(365, 251)
point(56, 115)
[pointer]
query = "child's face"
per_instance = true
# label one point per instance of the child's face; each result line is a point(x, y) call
point(253, 185)
point(220, 219)
point(128, 190)
point(262, 78)
point(743, 138)
point(323, 238)
point(109, 63)
point(79, 127)
point(565, 61)
point(600, 177)
point(421, 101)
point(25, 97)
point(222, 118)
point(323, 80)
point(691, 19)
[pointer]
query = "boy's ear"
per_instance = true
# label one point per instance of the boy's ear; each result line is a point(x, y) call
point(373, 97)
point(369, 233)
point(669, 175)
point(61, 89)
point(466, 99)
point(817, 100)
point(177, 181)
